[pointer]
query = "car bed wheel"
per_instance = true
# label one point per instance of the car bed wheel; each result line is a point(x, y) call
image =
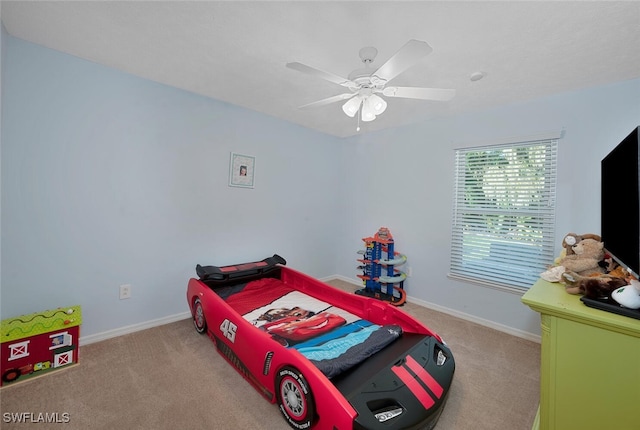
point(199, 321)
point(294, 398)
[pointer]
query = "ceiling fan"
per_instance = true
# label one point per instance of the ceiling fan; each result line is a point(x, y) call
point(367, 84)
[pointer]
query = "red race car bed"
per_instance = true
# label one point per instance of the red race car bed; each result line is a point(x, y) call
point(330, 359)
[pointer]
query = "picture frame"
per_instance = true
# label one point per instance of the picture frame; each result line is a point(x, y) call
point(242, 170)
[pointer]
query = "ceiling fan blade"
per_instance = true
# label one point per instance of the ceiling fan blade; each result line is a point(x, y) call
point(437, 94)
point(328, 100)
point(412, 52)
point(322, 74)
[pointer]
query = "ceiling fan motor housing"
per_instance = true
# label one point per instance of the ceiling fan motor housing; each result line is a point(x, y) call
point(368, 54)
point(363, 79)
point(362, 76)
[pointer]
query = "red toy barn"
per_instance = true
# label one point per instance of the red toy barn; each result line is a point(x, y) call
point(39, 343)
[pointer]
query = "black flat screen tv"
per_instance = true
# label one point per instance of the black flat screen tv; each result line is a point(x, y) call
point(620, 202)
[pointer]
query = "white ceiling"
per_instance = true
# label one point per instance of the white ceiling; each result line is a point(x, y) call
point(236, 51)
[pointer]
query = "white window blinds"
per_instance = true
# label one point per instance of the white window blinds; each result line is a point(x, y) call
point(504, 213)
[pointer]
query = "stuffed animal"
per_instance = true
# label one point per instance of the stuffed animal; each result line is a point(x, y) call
point(587, 254)
point(628, 296)
point(593, 287)
point(572, 239)
point(621, 272)
point(586, 257)
point(553, 274)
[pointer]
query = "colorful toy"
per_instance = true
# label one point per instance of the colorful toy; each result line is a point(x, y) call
point(38, 343)
point(380, 275)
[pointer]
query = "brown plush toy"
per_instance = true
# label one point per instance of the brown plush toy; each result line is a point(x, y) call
point(572, 239)
point(587, 254)
point(593, 287)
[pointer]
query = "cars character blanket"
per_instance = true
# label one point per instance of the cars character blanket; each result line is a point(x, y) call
point(333, 339)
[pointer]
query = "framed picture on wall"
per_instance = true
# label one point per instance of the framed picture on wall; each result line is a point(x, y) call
point(242, 170)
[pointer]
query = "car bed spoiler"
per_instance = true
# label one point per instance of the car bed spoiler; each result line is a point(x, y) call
point(206, 273)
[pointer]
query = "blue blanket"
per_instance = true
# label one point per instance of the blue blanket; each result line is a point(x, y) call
point(340, 350)
point(332, 338)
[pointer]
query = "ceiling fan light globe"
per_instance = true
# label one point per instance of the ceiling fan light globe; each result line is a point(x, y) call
point(352, 106)
point(368, 116)
point(367, 111)
point(377, 104)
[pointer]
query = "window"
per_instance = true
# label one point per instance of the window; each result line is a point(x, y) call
point(19, 350)
point(504, 213)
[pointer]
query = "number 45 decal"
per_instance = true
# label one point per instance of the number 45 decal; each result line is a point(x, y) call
point(228, 330)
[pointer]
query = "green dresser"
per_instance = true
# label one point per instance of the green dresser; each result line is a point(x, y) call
point(590, 369)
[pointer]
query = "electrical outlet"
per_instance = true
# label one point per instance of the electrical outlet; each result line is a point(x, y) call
point(125, 291)
point(409, 271)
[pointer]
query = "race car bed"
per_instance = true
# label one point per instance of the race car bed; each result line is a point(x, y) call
point(330, 359)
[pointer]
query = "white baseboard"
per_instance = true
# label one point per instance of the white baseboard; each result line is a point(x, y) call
point(98, 337)
point(467, 317)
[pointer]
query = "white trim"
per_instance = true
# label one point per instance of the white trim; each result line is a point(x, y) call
point(545, 135)
point(342, 278)
point(464, 316)
point(477, 320)
point(98, 337)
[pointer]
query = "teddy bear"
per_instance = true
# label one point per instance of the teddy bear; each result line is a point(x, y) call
point(585, 259)
point(572, 239)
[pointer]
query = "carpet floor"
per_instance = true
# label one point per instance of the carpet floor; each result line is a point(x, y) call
point(170, 377)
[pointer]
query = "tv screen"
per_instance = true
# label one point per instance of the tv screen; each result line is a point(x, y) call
point(620, 202)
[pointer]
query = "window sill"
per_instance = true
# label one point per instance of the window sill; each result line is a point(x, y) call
point(495, 286)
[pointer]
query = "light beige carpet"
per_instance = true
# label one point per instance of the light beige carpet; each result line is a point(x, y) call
point(170, 377)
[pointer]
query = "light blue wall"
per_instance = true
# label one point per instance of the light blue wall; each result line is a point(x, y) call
point(403, 179)
point(109, 179)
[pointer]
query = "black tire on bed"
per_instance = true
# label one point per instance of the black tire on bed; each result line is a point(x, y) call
point(199, 321)
point(295, 399)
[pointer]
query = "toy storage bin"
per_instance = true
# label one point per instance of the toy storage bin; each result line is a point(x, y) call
point(39, 343)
